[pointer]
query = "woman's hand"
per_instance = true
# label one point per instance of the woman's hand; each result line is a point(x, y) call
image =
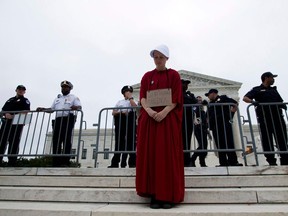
point(160, 116)
point(151, 112)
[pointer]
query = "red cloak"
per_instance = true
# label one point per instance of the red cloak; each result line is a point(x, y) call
point(160, 166)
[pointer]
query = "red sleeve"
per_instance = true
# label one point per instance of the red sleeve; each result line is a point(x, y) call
point(177, 93)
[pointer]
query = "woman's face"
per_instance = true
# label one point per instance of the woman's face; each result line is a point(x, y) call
point(159, 60)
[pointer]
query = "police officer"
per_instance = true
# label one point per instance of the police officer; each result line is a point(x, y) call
point(187, 121)
point(125, 130)
point(12, 132)
point(64, 123)
point(270, 117)
point(201, 132)
point(220, 118)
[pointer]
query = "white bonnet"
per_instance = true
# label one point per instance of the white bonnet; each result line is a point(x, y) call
point(162, 49)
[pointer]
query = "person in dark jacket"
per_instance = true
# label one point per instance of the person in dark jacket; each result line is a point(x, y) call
point(10, 131)
point(220, 119)
point(270, 118)
point(201, 132)
point(187, 120)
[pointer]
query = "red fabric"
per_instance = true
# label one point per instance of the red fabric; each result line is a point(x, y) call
point(160, 166)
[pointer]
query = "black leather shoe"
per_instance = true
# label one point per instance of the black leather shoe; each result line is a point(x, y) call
point(113, 166)
point(155, 204)
point(237, 164)
point(167, 205)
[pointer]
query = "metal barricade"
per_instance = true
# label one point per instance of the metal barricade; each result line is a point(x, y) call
point(116, 135)
point(269, 137)
point(31, 134)
point(106, 141)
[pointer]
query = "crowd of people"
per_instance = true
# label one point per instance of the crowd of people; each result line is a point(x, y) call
point(162, 129)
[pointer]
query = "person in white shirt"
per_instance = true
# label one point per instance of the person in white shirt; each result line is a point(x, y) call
point(65, 105)
point(125, 130)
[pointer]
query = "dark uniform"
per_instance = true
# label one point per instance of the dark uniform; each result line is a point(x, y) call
point(125, 131)
point(201, 132)
point(220, 118)
point(271, 121)
point(187, 121)
point(125, 139)
point(12, 132)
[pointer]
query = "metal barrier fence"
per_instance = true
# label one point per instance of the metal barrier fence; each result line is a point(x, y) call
point(271, 143)
point(225, 138)
point(36, 134)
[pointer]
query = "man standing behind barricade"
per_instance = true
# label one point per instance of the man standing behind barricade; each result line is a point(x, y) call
point(64, 123)
point(201, 132)
point(270, 118)
point(9, 131)
point(125, 130)
point(220, 122)
point(187, 121)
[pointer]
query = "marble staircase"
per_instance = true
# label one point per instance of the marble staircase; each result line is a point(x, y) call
point(210, 191)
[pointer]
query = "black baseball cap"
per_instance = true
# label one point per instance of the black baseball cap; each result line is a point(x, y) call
point(267, 74)
point(211, 91)
point(21, 87)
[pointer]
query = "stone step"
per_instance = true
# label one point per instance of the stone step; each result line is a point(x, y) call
point(25, 208)
point(129, 182)
point(128, 195)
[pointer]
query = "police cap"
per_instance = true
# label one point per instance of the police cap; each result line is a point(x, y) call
point(185, 81)
point(126, 88)
point(267, 74)
point(211, 91)
point(66, 83)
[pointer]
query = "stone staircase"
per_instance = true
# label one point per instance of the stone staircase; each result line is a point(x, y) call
point(210, 191)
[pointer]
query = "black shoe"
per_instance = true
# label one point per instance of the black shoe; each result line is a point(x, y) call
point(272, 164)
point(237, 164)
point(155, 204)
point(203, 165)
point(192, 163)
point(113, 166)
point(167, 205)
point(221, 165)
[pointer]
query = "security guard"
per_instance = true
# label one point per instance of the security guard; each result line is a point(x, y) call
point(220, 117)
point(201, 132)
point(64, 123)
point(270, 117)
point(125, 130)
point(187, 121)
point(12, 132)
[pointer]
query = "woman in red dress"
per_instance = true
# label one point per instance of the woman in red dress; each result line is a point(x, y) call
point(160, 166)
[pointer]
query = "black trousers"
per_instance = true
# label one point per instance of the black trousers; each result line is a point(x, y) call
point(223, 137)
point(12, 134)
point(62, 135)
point(200, 132)
point(274, 126)
point(125, 140)
point(187, 130)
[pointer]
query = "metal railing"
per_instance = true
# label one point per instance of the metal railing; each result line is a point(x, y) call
point(30, 134)
point(106, 134)
point(270, 138)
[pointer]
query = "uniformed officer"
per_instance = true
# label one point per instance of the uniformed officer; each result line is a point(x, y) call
point(220, 118)
point(125, 130)
point(187, 121)
point(201, 132)
point(12, 132)
point(64, 123)
point(270, 117)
